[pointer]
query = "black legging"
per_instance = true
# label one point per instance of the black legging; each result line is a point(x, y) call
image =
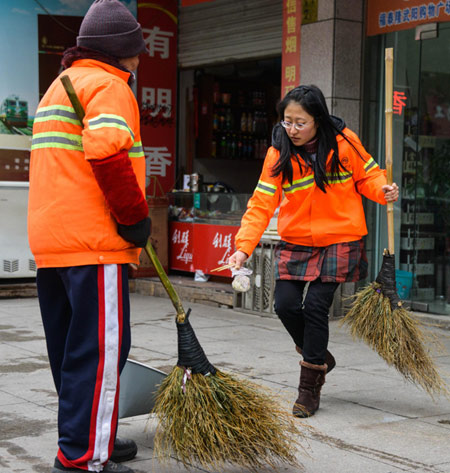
point(306, 319)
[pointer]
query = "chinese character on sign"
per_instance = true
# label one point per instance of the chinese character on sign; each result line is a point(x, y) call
point(289, 73)
point(399, 101)
point(288, 88)
point(291, 44)
point(182, 238)
point(156, 161)
point(223, 241)
point(291, 6)
point(162, 102)
point(290, 25)
point(157, 41)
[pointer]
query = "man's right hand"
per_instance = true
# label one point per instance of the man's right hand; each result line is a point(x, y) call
point(138, 233)
point(237, 259)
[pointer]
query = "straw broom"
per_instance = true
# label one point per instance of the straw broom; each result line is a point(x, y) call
point(211, 417)
point(377, 315)
point(206, 415)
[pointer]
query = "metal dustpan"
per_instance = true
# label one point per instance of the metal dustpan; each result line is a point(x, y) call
point(139, 384)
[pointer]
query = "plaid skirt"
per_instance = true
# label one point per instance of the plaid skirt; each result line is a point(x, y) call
point(341, 262)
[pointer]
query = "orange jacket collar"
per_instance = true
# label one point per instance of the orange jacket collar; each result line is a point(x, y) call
point(94, 63)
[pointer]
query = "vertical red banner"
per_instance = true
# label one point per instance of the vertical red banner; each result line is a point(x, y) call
point(157, 89)
point(290, 59)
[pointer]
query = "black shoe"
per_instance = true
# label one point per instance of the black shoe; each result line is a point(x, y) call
point(110, 467)
point(124, 450)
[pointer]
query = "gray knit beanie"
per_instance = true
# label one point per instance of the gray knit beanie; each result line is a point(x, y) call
point(109, 27)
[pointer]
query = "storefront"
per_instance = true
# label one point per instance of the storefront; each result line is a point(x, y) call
point(229, 61)
point(420, 36)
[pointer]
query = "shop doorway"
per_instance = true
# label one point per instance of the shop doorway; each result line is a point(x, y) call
point(421, 151)
point(424, 274)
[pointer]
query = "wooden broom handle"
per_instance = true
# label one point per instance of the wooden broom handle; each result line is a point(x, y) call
point(389, 75)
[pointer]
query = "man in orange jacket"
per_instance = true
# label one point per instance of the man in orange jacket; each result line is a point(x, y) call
point(87, 219)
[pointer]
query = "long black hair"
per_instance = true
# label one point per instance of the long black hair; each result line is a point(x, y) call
point(313, 102)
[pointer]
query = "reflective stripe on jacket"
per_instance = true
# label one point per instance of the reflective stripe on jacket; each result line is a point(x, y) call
point(308, 216)
point(69, 223)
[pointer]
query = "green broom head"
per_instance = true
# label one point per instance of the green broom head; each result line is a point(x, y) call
point(377, 317)
point(212, 418)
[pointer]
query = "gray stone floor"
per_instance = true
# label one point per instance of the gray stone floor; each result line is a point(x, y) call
point(370, 419)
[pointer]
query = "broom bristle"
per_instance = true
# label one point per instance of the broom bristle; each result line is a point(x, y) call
point(220, 419)
point(398, 337)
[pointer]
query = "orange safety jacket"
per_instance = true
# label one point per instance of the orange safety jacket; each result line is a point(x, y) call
point(69, 221)
point(308, 216)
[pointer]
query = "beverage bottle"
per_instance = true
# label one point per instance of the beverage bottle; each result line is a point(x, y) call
point(213, 148)
point(244, 122)
point(255, 122)
point(221, 120)
point(257, 149)
point(228, 120)
point(223, 146)
point(233, 147)
point(250, 148)
point(249, 122)
point(239, 147)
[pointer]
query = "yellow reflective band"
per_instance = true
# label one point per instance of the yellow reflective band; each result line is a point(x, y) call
point(56, 139)
point(299, 184)
point(340, 178)
point(266, 188)
point(56, 113)
point(107, 120)
point(136, 150)
point(370, 165)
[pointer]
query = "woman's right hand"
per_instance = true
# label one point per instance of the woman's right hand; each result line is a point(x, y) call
point(237, 259)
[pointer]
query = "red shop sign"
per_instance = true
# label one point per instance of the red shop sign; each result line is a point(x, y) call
point(385, 16)
point(290, 56)
point(157, 89)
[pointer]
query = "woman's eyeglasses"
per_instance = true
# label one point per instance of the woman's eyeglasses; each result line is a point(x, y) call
point(297, 126)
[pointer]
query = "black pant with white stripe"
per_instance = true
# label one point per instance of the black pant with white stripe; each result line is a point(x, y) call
point(86, 315)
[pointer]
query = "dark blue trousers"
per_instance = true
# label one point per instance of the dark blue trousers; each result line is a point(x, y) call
point(305, 317)
point(86, 316)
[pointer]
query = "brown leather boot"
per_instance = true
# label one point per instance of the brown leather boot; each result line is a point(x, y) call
point(329, 358)
point(312, 378)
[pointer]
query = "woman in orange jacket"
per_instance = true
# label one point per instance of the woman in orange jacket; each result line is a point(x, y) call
point(316, 172)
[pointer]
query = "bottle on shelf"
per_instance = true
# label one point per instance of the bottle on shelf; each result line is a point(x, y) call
point(221, 119)
point(216, 93)
point(213, 148)
point(249, 122)
point(257, 148)
point(243, 122)
point(250, 148)
point(239, 149)
point(223, 147)
point(229, 125)
point(233, 147)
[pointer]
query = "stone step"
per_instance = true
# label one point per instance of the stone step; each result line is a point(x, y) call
point(219, 294)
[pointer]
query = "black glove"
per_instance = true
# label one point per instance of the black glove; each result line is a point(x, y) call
point(138, 233)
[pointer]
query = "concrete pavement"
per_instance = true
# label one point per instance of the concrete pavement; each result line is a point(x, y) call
point(370, 419)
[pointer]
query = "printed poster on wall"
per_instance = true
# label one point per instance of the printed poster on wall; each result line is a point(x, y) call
point(157, 90)
point(33, 37)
